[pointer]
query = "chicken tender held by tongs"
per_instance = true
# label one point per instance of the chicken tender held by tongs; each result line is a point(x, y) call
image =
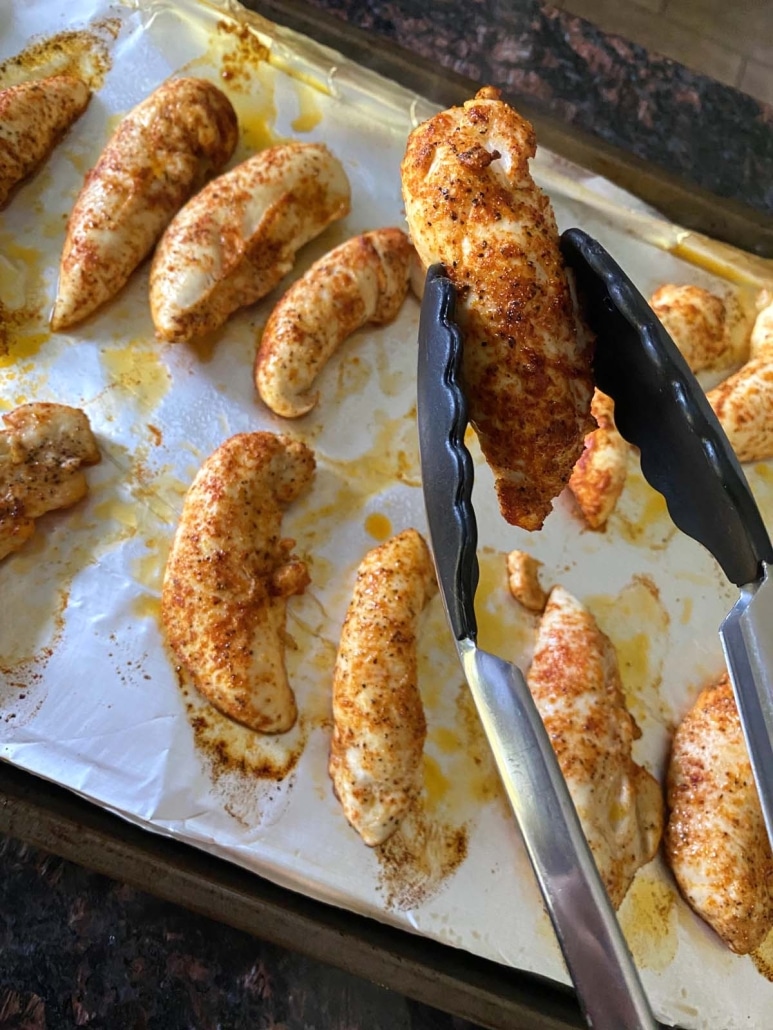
point(473, 208)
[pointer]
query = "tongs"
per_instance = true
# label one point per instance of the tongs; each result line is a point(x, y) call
point(661, 409)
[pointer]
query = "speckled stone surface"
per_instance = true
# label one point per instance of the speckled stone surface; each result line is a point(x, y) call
point(691, 126)
point(79, 950)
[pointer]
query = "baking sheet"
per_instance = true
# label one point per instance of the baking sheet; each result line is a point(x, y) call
point(89, 697)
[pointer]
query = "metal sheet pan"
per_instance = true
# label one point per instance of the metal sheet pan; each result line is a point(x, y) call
point(91, 751)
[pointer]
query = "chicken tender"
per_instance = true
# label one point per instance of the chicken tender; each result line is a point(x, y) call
point(696, 320)
point(716, 842)
point(229, 575)
point(33, 118)
point(234, 242)
point(523, 581)
point(364, 280)
point(379, 725)
point(472, 205)
point(163, 151)
point(599, 476)
point(743, 403)
point(761, 341)
point(43, 449)
point(575, 682)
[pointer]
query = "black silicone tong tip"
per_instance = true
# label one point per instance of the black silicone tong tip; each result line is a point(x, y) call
point(661, 408)
point(447, 469)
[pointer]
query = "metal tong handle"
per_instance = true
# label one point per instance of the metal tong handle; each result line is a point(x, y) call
point(596, 954)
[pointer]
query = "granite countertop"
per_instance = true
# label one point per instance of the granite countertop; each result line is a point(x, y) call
point(78, 949)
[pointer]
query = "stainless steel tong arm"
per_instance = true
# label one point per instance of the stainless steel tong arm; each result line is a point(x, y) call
point(596, 953)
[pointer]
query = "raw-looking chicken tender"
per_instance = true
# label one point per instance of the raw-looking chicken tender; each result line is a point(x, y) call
point(523, 581)
point(163, 151)
point(716, 842)
point(704, 327)
point(33, 118)
point(43, 449)
point(575, 682)
point(599, 476)
point(235, 241)
point(229, 575)
point(743, 403)
point(364, 280)
point(472, 205)
point(378, 717)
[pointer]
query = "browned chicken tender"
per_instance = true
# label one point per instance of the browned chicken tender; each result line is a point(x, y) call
point(364, 280)
point(378, 717)
point(716, 841)
point(43, 449)
point(33, 118)
point(229, 575)
point(599, 476)
point(575, 681)
point(472, 205)
point(236, 239)
point(695, 320)
point(162, 153)
point(523, 581)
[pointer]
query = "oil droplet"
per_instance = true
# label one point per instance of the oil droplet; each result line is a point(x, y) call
point(648, 920)
point(637, 623)
point(378, 526)
point(503, 627)
point(147, 606)
point(309, 111)
point(83, 54)
point(436, 785)
point(138, 370)
point(641, 516)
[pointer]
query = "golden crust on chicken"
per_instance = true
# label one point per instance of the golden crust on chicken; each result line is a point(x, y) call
point(716, 842)
point(743, 403)
point(472, 205)
point(523, 581)
point(234, 241)
point(33, 118)
point(229, 575)
point(695, 319)
point(363, 280)
point(43, 449)
point(379, 725)
point(599, 476)
point(575, 682)
point(163, 151)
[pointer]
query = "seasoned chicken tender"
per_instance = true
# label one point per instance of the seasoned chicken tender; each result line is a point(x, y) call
point(379, 726)
point(163, 151)
point(696, 320)
point(523, 581)
point(43, 449)
point(761, 341)
point(33, 118)
point(229, 575)
point(716, 842)
point(743, 403)
point(575, 682)
point(234, 242)
point(599, 476)
point(364, 280)
point(472, 205)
